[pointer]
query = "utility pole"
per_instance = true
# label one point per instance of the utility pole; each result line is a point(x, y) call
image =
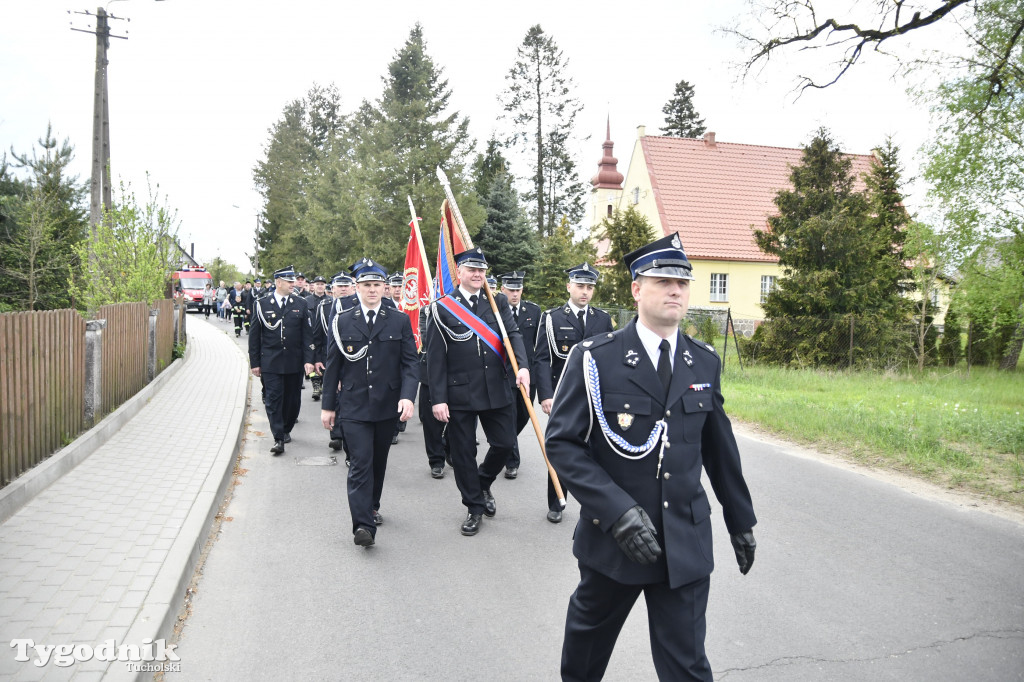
point(100, 199)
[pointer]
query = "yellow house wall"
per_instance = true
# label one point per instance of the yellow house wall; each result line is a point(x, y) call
point(638, 177)
point(744, 286)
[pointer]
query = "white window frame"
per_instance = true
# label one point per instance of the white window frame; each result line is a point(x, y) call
point(767, 285)
point(719, 291)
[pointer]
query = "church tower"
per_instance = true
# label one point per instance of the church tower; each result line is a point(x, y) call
point(607, 184)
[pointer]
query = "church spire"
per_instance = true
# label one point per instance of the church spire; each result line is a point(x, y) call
point(608, 176)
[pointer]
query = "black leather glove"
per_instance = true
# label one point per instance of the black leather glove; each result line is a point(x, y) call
point(743, 544)
point(635, 534)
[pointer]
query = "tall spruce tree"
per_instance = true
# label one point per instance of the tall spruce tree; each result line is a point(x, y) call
point(507, 237)
point(626, 231)
point(681, 117)
point(488, 166)
point(558, 253)
point(281, 179)
point(541, 103)
point(828, 250)
point(402, 138)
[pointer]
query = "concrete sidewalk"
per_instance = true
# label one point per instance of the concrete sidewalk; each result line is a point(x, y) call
point(106, 552)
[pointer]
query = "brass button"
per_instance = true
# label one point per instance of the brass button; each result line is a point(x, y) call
point(666, 504)
point(626, 406)
point(667, 475)
point(700, 404)
point(668, 413)
point(596, 522)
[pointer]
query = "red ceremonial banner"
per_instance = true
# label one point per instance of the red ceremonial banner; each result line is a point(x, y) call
point(416, 285)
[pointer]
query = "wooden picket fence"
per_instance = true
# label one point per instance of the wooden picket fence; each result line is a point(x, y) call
point(42, 374)
point(42, 386)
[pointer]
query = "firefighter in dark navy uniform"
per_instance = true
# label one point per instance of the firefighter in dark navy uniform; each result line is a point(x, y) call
point(344, 298)
point(395, 281)
point(373, 358)
point(636, 415)
point(313, 299)
point(527, 316)
point(562, 328)
point(469, 381)
point(280, 352)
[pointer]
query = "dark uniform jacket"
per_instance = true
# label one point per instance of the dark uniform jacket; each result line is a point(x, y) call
point(607, 484)
point(287, 347)
point(321, 315)
point(528, 323)
point(467, 375)
point(564, 334)
point(372, 385)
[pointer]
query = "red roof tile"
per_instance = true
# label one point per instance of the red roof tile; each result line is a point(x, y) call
point(715, 194)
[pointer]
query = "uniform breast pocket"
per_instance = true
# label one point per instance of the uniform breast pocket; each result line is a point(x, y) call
point(696, 407)
point(565, 339)
point(629, 415)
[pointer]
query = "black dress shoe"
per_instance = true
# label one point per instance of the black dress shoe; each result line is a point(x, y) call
point(377, 518)
point(336, 443)
point(511, 473)
point(278, 447)
point(362, 537)
point(555, 516)
point(287, 438)
point(437, 472)
point(490, 509)
point(394, 439)
point(471, 525)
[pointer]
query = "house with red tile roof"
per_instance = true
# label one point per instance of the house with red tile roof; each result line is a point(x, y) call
point(714, 194)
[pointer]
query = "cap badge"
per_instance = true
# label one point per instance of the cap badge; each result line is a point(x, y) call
point(675, 241)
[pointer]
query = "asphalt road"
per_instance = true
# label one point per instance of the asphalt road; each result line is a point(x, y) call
point(855, 579)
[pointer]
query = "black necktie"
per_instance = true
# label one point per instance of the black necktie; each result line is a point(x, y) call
point(664, 365)
point(582, 317)
point(473, 301)
point(369, 320)
point(515, 314)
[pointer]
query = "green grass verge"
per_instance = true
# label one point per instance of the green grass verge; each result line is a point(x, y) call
point(964, 431)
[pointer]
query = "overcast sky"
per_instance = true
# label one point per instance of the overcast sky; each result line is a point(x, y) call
point(196, 86)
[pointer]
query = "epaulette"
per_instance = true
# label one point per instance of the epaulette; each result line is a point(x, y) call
point(595, 341)
point(705, 346)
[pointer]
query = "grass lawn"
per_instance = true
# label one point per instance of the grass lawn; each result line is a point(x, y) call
point(964, 431)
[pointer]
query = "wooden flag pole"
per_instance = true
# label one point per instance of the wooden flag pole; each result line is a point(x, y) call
point(464, 233)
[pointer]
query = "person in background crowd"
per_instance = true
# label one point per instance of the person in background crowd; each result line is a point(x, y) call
point(637, 414)
point(527, 316)
point(222, 297)
point(395, 286)
point(249, 299)
point(560, 330)
point(209, 299)
point(236, 299)
point(280, 351)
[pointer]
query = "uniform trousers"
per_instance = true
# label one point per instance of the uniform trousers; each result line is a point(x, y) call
point(282, 394)
point(433, 430)
point(368, 444)
point(522, 419)
point(499, 425)
point(675, 618)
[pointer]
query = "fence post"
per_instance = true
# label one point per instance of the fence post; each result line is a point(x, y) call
point(175, 324)
point(93, 371)
point(851, 342)
point(151, 354)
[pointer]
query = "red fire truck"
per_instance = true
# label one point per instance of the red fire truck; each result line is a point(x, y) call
point(189, 283)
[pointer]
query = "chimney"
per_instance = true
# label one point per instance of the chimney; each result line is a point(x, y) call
point(641, 131)
point(192, 249)
point(709, 139)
